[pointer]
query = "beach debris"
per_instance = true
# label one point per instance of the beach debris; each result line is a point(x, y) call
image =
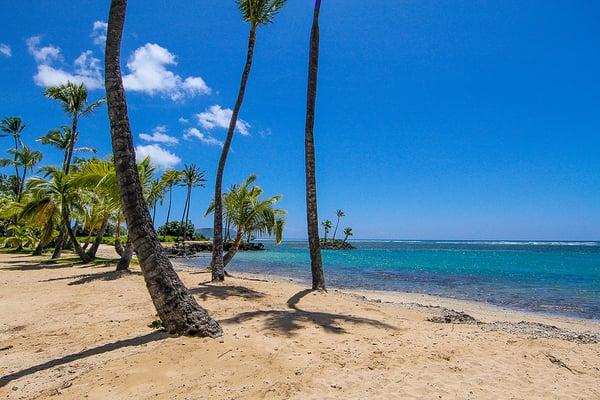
point(453, 317)
point(156, 324)
point(544, 331)
point(557, 361)
point(7, 348)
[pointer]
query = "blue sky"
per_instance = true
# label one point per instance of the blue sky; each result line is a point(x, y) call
point(435, 120)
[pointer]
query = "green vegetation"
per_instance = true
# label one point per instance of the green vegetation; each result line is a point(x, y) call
point(250, 215)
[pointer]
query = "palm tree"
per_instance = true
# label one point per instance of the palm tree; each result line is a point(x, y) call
point(13, 126)
point(257, 13)
point(170, 178)
point(156, 193)
point(327, 225)
point(175, 305)
point(61, 139)
point(65, 193)
point(339, 214)
point(191, 177)
point(24, 158)
point(347, 232)
point(73, 99)
point(250, 215)
point(312, 219)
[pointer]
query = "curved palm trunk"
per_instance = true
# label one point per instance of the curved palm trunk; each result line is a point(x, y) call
point(217, 264)
point(175, 305)
point(99, 235)
point(312, 219)
point(76, 246)
point(60, 243)
point(335, 230)
point(233, 250)
point(118, 244)
point(125, 259)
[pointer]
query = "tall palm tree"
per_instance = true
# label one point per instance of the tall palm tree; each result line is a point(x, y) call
point(339, 214)
point(257, 13)
point(175, 305)
point(347, 232)
point(73, 99)
point(24, 158)
point(191, 177)
point(170, 178)
point(327, 225)
point(250, 215)
point(312, 219)
point(13, 126)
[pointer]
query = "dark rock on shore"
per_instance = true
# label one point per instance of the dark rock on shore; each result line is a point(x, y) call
point(193, 247)
point(337, 245)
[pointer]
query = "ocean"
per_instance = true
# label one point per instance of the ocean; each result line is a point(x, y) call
point(549, 277)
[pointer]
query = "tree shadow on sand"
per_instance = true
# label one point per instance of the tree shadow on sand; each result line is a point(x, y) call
point(35, 265)
point(105, 348)
point(222, 292)
point(290, 321)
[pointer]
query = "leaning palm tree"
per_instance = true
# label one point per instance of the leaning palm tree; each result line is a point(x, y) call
point(327, 225)
point(13, 126)
point(74, 101)
point(191, 177)
point(24, 158)
point(249, 214)
point(347, 232)
point(175, 305)
point(257, 13)
point(312, 219)
point(339, 214)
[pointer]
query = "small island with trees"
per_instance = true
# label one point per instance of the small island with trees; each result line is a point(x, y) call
point(333, 243)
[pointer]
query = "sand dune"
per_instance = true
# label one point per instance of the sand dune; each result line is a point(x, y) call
point(80, 331)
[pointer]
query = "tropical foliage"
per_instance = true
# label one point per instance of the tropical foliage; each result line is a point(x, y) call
point(250, 215)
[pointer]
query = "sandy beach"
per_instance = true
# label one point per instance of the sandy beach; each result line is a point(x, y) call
point(81, 331)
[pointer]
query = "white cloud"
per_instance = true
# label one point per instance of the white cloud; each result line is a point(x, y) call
point(159, 157)
point(148, 74)
point(43, 55)
point(184, 120)
point(5, 50)
point(87, 69)
point(217, 117)
point(206, 139)
point(159, 135)
point(99, 32)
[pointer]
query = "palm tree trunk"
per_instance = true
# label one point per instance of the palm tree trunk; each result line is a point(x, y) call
point(312, 219)
point(335, 230)
point(217, 264)
point(233, 249)
point(125, 260)
point(175, 305)
point(71, 144)
point(80, 252)
point(60, 243)
point(39, 249)
point(22, 184)
point(17, 175)
point(187, 214)
point(118, 245)
point(185, 206)
point(99, 235)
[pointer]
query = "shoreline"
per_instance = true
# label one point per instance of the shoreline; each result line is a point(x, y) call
point(82, 331)
point(483, 310)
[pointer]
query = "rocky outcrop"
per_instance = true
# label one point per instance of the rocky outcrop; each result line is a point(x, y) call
point(190, 248)
point(337, 245)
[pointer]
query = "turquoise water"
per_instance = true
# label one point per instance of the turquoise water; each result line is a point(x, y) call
point(552, 277)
